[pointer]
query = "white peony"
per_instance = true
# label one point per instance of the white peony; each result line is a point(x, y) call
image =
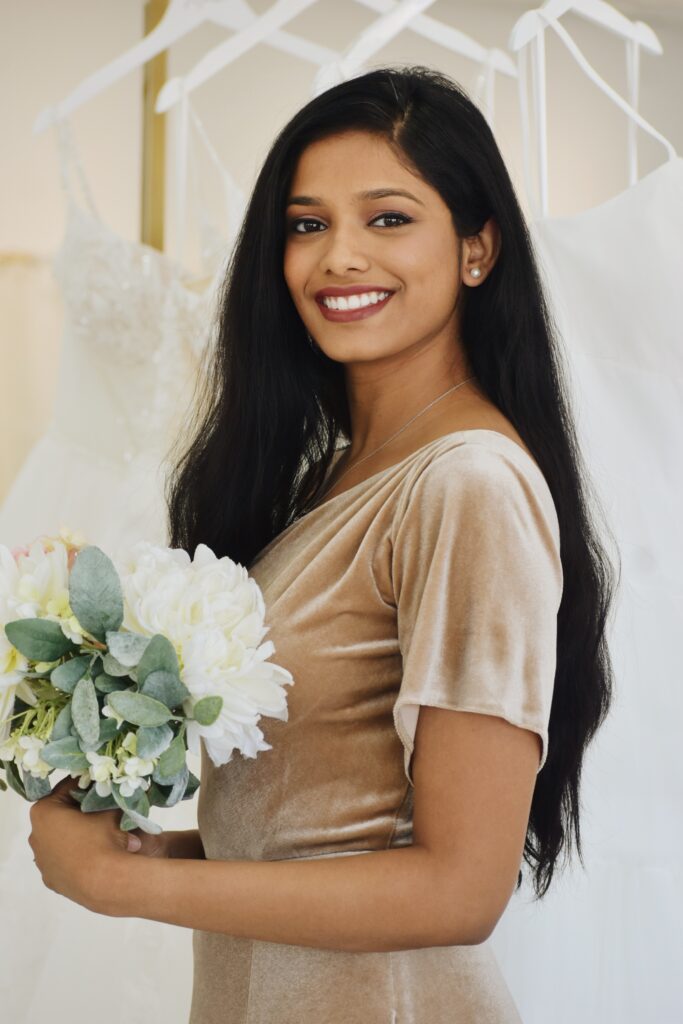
point(213, 613)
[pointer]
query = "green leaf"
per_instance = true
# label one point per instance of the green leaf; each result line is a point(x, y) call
point(85, 712)
point(66, 675)
point(132, 818)
point(166, 687)
point(35, 787)
point(127, 647)
point(153, 740)
point(92, 801)
point(138, 709)
point(171, 762)
point(179, 787)
point(192, 786)
point(95, 594)
point(108, 730)
point(63, 723)
point(159, 656)
point(108, 684)
point(38, 639)
point(113, 667)
point(14, 778)
point(207, 710)
point(65, 753)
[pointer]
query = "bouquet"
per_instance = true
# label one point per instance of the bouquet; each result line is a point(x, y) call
point(114, 672)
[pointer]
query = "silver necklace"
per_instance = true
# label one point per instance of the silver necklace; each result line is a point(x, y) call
point(384, 443)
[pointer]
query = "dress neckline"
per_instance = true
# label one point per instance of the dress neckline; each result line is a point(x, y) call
point(401, 462)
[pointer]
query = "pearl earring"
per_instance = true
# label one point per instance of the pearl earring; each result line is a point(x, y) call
point(475, 271)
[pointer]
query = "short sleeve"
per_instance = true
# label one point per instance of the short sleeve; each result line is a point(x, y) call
point(477, 580)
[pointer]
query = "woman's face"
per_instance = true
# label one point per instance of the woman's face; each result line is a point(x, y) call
point(338, 237)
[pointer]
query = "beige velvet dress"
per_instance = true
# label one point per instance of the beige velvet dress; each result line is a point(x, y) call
point(435, 581)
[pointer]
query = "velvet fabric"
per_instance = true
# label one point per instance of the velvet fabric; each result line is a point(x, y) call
point(435, 581)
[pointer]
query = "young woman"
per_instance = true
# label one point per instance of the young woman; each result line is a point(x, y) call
point(385, 442)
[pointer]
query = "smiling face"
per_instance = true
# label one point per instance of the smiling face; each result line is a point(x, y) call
point(338, 238)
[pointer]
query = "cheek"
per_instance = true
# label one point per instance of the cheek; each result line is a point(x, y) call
point(294, 269)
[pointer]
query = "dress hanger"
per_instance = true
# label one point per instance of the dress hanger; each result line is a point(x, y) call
point(406, 14)
point(530, 28)
point(180, 18)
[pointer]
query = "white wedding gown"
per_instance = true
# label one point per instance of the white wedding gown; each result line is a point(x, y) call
point(606, 944)
point(134, 332)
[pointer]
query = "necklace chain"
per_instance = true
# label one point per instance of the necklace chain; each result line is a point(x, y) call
point(384, 443)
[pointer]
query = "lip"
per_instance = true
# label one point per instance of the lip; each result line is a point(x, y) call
point(343, 315)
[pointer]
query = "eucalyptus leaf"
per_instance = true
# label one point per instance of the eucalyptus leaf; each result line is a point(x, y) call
point(14, 779)
point(166, 687)
point(95, 594)
point(92, 801)
point(171, 762)
point(85, 712)
point(192, 786)
point(108, 730)
point(207, 710)
point(138, 709)
point(153, 740)
point(113, 667)
point(127, 647)
point(38, 639)
point(63, 723)
point(66, 675)
point(78, 795)
point(159, 656)
point(65, 753)
point(35, 788)
point(178, 789)
point(132, 818)
point(109, 684)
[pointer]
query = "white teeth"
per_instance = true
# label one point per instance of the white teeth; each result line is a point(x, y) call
point(354, 301)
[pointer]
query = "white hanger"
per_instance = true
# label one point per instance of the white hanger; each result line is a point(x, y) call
point(543, 18)
point(255, 32)
point(180, 18)
point(445, 35)
point(396, 17)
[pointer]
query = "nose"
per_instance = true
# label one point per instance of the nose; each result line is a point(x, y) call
point(343, 251)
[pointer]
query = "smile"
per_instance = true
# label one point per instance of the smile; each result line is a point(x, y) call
point(353, 307)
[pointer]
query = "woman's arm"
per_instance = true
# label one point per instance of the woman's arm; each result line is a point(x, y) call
point(387, 900)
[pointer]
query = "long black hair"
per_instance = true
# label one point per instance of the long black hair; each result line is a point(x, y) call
point(271, 409)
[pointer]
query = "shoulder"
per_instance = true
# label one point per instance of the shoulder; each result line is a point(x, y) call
point(476, 476)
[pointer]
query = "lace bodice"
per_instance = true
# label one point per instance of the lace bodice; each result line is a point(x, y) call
point(136, 326)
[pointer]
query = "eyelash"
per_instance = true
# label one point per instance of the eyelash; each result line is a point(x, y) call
point(310, 220)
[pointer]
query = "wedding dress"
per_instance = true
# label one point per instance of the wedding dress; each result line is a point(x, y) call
point(135, 331)
point(606, 943)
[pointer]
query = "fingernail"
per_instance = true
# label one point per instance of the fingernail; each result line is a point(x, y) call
point(134, 843)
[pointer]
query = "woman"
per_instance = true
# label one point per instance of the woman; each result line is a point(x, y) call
point(442, 562)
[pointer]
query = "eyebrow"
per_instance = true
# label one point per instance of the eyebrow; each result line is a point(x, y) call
point(373, 193)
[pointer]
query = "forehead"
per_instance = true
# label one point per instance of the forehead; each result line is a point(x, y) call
point(350, 162)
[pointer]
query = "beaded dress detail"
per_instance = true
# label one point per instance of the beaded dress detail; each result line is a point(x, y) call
point(135, 328)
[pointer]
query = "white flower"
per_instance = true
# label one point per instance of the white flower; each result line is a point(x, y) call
point(8, 748)
point(101, 770)
point(213, 614)
point(27, 756)
point(108, 712)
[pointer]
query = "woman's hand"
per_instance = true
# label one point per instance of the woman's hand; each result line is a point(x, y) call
point(79, 854)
